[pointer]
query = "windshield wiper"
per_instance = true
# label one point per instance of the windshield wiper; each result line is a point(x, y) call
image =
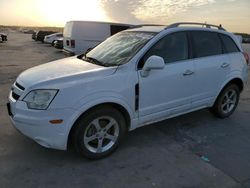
point(94, 61)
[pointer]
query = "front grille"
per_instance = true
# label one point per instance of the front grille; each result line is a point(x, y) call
point(15, 96)
point(19, 86)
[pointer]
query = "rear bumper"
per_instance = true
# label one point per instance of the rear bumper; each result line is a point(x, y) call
point(58, 46)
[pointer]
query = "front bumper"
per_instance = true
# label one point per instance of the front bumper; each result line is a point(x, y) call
point(36, 125)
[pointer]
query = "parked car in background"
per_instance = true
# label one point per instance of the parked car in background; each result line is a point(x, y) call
point(41, 35)
point(29, 31)
point(82, 35)
point(34, 35)
point(246, 40)
point(134, 78)
point(58, 44)
point(50, 39)
point(3, 36)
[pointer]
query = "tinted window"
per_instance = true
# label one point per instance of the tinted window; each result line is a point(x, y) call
point(171, 48)
point(228, 44)
point(117, 28)
point(206, 43)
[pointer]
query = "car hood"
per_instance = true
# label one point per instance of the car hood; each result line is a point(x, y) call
point(62, 70)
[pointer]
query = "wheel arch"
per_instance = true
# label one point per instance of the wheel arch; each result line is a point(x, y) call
point(216, 108)
point(117, 106)
point(237, 81)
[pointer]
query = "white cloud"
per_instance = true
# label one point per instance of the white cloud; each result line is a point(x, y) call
point(148, 10)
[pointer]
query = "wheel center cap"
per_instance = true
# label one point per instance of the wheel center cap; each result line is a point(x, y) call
point(101, 134)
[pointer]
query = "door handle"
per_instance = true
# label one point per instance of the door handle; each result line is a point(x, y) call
point(188, 73)
point(224, 65)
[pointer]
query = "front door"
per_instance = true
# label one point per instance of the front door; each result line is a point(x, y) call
point(168, 91)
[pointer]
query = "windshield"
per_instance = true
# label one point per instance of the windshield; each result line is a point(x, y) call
point(119, 49)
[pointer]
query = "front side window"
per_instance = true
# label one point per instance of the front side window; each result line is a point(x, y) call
point(172, 48)
point(206, 43)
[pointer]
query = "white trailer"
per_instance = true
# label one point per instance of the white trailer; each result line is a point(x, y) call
point(79, 36)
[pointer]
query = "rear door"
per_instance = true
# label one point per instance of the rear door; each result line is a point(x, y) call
point(67, 34)
point(211, 66)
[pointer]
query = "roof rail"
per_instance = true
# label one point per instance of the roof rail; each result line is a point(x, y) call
point(141, 25)
point(195, 23)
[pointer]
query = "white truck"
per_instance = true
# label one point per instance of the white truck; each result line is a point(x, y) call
point(80, 36)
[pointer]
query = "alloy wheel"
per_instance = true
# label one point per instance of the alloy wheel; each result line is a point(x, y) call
point(229, 101)
point(101, 134)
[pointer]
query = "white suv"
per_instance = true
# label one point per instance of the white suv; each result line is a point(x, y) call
point(136, 77)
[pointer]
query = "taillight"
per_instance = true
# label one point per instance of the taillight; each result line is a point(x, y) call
point(246, 57)
point(72, 42)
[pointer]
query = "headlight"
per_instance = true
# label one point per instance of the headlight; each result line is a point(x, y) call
point(40, 99)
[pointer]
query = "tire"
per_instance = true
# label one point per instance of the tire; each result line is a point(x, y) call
point(226, 102)
point(53, 43)
point(99, 132)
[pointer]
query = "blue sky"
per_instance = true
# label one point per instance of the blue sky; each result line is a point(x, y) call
point(233, 14)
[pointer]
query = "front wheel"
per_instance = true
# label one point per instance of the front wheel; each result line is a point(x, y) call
point(99, 132)
point(226, 102)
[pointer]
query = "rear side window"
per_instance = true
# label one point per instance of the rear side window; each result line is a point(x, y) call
point(206, 43)
point(228, 44)
point(171, 48)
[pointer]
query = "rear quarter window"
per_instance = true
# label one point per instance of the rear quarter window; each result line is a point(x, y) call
point(228, 44)
point(206, 43)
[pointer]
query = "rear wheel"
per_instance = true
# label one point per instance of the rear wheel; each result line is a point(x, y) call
point(99, 132)
point(226, 102)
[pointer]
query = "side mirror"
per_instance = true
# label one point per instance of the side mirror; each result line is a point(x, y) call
point(153, 62)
